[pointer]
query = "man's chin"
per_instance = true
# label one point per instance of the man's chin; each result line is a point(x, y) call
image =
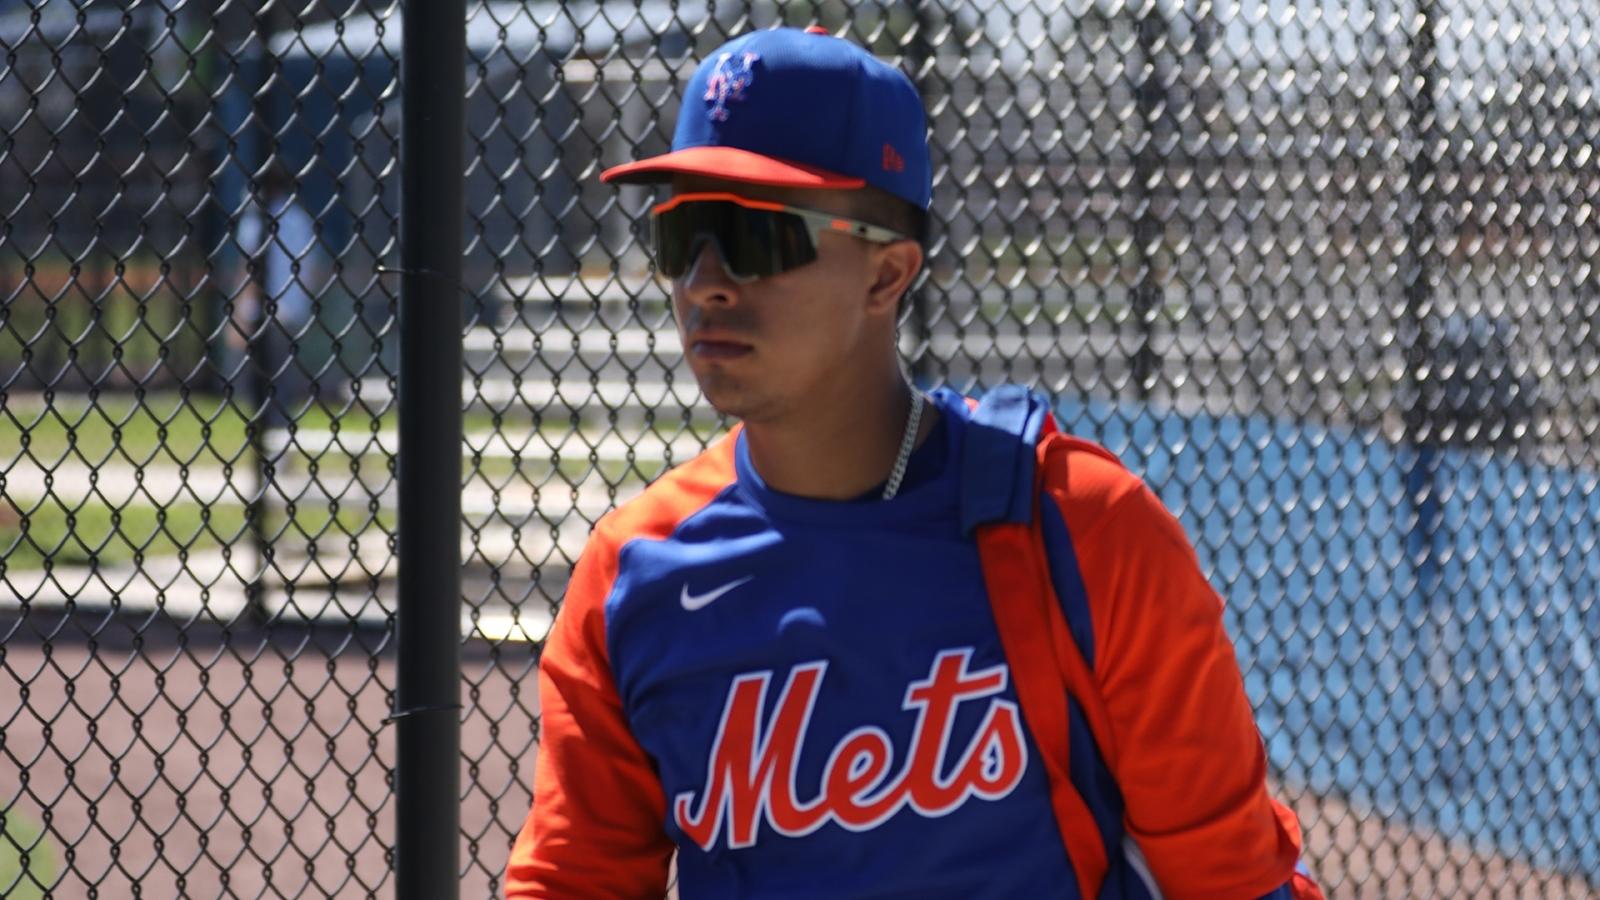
point(730, 408)
point(731, 400)
point(724, 397)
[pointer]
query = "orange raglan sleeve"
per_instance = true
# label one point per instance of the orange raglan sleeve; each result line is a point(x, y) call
point(596, 828)
point(1183, 744)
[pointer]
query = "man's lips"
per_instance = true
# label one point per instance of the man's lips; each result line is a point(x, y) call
point(718, 348)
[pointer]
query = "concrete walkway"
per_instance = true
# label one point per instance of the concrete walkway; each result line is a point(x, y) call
point(515, 524)
point(212, 587)
point(534, 489)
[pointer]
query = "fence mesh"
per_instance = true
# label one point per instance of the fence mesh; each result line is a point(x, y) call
point(1324, 274)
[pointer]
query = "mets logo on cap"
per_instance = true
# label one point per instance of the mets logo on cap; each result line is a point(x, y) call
point(734, 73)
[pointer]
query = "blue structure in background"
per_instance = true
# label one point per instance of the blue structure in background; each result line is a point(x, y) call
point(313, 113)
point(1449, 679)
point(314, 87)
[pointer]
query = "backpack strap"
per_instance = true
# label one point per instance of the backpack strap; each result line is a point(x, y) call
point(1126, 874)
point(999, 458)
point(1000, 502)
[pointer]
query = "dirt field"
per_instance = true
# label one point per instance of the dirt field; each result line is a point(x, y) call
point(257, 772)
point(170, 771)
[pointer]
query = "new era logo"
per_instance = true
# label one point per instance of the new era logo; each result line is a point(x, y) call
point(892, 161)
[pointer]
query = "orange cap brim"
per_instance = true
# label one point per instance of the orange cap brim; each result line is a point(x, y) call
point(728, 163)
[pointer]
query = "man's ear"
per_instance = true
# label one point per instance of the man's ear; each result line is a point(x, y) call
point(895, 267)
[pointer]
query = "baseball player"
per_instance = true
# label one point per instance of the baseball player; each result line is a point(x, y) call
point(874, 643)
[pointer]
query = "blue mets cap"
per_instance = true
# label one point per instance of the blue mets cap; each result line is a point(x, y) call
point(797, 109)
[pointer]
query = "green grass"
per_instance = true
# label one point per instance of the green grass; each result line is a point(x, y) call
point(166, 429)
point(99, 535)
point(27, 859)
point(161, 428)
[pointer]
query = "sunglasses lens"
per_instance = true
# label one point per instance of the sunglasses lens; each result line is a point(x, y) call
point(670, 244)
point(755, 243)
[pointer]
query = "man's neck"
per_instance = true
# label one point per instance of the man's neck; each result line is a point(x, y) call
point(836, 451)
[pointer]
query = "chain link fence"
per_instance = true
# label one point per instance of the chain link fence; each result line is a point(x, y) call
point(1324, 274)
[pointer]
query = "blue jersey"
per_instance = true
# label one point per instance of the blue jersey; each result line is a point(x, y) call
point(823, 690)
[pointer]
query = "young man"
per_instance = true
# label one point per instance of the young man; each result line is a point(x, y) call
point(783, 661)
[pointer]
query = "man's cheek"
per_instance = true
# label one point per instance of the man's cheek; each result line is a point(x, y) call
point(687, 315)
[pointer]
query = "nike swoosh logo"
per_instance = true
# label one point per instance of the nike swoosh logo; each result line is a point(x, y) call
point(692, 602)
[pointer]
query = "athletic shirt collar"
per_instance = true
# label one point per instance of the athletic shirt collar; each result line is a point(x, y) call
point(928, 491)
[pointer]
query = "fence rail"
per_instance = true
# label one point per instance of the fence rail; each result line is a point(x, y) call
point(1326, 276)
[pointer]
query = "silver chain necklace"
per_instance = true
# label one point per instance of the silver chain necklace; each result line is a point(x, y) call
point(906, 443)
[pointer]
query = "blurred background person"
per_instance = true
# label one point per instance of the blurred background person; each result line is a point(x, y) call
point(274, 308)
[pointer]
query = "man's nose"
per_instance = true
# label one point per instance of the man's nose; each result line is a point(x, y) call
point(708, 281)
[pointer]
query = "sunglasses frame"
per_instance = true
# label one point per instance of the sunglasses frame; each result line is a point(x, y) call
point(815, 220)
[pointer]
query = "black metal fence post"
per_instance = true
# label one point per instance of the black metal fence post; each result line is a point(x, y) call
point(919, 59)
point(1153, 100)
point(258, 384)
point(1422, 415)
point(427, 834)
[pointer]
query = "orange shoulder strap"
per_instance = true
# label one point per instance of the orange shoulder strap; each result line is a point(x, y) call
point(1023, 616)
